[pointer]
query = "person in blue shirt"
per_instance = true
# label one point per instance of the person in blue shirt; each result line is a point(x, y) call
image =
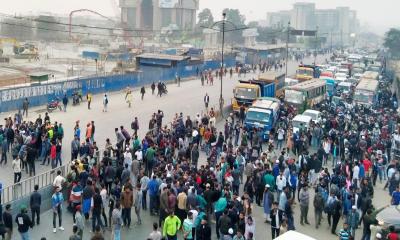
point(396, 196)
point(56, 203)
point(153, 193)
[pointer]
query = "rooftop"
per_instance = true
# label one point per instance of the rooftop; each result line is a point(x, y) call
point(163, 56)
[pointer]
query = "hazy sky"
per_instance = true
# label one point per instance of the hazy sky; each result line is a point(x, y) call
point(378, 14)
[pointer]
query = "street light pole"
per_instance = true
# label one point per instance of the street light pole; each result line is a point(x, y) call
point(287, 48)
point(221, 99)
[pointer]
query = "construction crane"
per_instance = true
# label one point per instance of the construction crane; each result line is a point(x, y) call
point(84, 10)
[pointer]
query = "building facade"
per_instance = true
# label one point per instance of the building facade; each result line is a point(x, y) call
point(157, 14)
point(278, 19)
point(303, 16)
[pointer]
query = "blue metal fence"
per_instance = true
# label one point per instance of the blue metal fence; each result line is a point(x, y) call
point(11, 99)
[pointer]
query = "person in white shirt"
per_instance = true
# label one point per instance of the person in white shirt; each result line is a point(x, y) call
point(139, 155)
point(16, 165)
point(128, 158)
point(356, 173)
point(281, 137)
point(155, 234)
point(59, 180)
point(280, 183)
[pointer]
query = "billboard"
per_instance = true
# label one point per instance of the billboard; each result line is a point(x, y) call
point(168, 3)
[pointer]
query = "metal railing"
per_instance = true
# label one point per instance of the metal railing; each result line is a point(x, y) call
point(26, 187)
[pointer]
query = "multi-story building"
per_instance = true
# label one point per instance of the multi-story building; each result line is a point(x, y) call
point(302, 16)
point(278, 19)
point(336, 25)
point(156, 14)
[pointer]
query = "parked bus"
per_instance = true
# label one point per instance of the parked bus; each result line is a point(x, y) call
point(306, 94)
point(366, 92)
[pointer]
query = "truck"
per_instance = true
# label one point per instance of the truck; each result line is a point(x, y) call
point(277, 78)
point(246, 92)
point(307, 72)
point(263, 114)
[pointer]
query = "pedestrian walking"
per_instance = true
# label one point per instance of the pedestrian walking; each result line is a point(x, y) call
point(89, 99)
point(138, 203)
point(8, 222)
point(105, 102)
point(155, 234)
point(127, 203)
point(17, 166)
point(171, 226)
point(34, 203)
point(65, 102)
point(206, 101)
point(304, 203)
point(142, 91)
point(128, 97)
point(24, 223)
point(75, 234)
point(57, 201)
point(25, 106)
point(153, 87)
point(80, 223)
point(116, 221)
point(97, 205)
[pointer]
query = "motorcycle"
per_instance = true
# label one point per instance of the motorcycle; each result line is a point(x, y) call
point(76, 98)
point(54, 104)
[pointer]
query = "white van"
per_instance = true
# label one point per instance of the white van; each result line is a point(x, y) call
point(301, 121)
point(314, 114)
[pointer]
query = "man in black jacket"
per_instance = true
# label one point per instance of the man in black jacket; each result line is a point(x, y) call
point(203, 231)
point(24, 223)
point(276, 216)
point(8, 222)
point(34, 203)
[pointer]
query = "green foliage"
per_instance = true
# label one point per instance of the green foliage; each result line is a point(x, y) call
point(205, 17)
point(234, 16)
point(392, 41)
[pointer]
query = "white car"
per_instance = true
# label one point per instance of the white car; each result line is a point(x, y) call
point(301, 121)
point(314, 114)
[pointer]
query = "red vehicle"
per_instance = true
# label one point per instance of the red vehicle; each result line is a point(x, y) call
point(327, 74)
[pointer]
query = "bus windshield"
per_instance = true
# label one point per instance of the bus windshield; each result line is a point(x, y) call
point(307, 72)
point(257, 116)
point(294, 96)
point(363, 97)
point(246, 93)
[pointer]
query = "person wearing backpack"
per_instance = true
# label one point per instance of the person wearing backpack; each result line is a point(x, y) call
point(319, 205)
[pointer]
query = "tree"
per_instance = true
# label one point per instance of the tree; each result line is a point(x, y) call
point(392, 41)
point(205, 17)
point(234, 16)
point(252, 24)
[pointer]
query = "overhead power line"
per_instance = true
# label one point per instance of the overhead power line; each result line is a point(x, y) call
point(66, 31)
point(83, 25)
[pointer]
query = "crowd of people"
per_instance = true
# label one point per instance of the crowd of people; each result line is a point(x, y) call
point(333, 165)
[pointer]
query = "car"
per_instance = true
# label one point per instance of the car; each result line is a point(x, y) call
point(314, 114)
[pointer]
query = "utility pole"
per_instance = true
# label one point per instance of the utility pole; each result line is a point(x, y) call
point(316, 45)
point(341, 39)
point(221, 99)
point(331, 41)
point(287, 47)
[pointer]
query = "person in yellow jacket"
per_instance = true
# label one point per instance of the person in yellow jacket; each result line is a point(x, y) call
point(171, 226)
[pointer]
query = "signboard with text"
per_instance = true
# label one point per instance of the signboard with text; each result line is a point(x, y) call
point(168, 3)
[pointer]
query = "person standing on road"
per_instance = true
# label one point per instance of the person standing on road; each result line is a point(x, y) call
point(25, 106)
point(206, 101)
point(128, 97)
point(171, 226)
point(97, 205)
point(56, 203)
point(153, 87)
point(65, 102)
point(142, 92)
point(105, 102)
point(127, 203)
point(138, 203)
point(89, 99)
point(116, 221)
point(8, 222)
point(17, 165)
point(304, 203)
point(35, 203)
point(24, 223)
